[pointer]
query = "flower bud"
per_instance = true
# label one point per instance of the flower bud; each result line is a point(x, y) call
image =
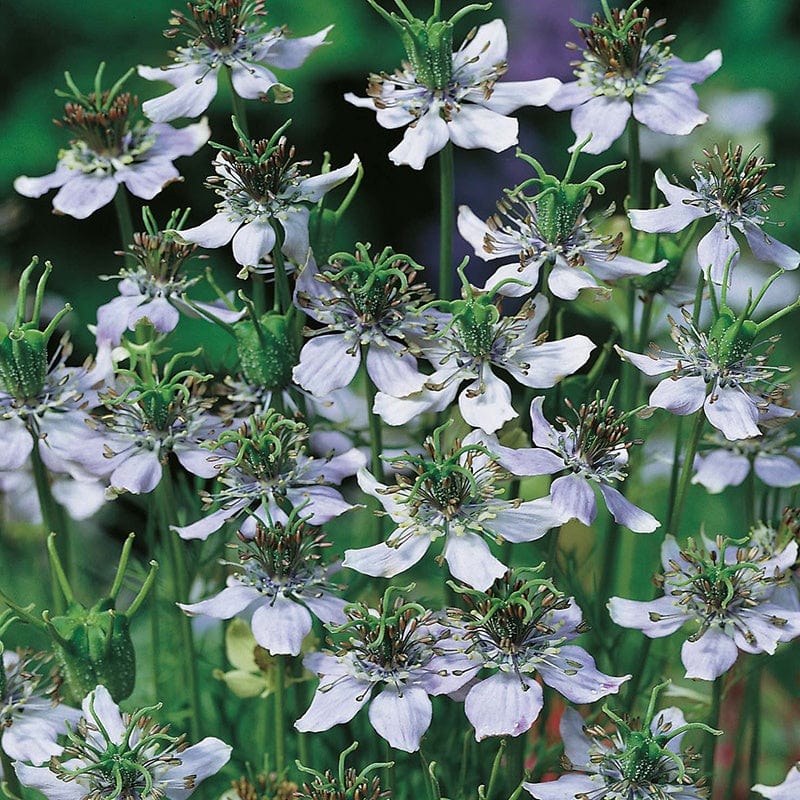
point(268, 349)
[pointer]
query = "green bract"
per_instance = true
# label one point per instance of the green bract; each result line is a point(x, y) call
point(23, 347)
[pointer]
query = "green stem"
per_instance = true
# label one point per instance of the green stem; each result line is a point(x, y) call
point(9, 775)
point(753, 699)
point(55, 520)
point(634, 165)
point(446, 215)
point(750, 498)
point(462, 772)
point(678, 504)
point(375, 430)
point(711, 739)
point(124, 220)
point(280, 721)
point(283, 298)
point(516, 762)
point(164, 497)
point(237, 102)
point(495, 769)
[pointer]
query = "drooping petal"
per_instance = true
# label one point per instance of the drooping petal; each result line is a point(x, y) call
point(470, 560)
point(733, 412)
point(314, 188)
point(36, 187)
point(252, 242)
point(572, 672)
point(714, 250)
point(669, 109)
point(680, 396)
point(542, 432)
point(215, 232)
point(649, 364)
point(290, 53)
point(147, 178)
point(626, 513)
point(573, 498)
point(189, 99)
point(710, 656)
point(527, 522)
point(252, 81)
point(569, 95)
point(326, 363)
point(767, 248)
point(393, 371)
point(655, 618)
point(508, 96)
point(383, 561)
point(138, 474)
point(336, 700)
point(294, 221)
point(475, 126)
point(621, 267)
point(603, 117)
point(401, 715)
point(84, 193)
point(232, 600)
point(280, 627)
point(718, 469)
point(486, 403)
point(503, 705)
point(777, 470)
point(428, 135)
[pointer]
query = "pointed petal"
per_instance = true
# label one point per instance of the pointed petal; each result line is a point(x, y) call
point(471, 561)
point(474, 230)
point(313, 189)
point(401, 716)
point(252, 81)
point(508, 96)
point(291, 53)
point(422, 139)
point(647, 363)
point(714, 250)
point(572, 672)
point(626, 513)
point(382, 561)
point(682, 396)
point(232, 600)
point(573, 498)
point(295, 225)
point(655, 618)
point(215, 232)
point(488, 47)
point(766, 248)
point(503, 705)
point(693, 71)
point(475, 126)
point(336, 700)
point(486, 403)
point(621, 267)
point(734, 412)
point(189, 99)
point(604, 117)
point(527, 522)
point(669, 108)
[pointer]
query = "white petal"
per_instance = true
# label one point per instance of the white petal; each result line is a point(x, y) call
point(401, 716)
point(475, 231)
point(572, 672)
point(734, 412)
point(291, 53)
point(252, 81)
point(767, 248)
point(471, 561)
point(710, 656)
point(83, 194)
point(669, 108)
point(98, 705)
point(314, 188)
point(422, 139)
point(326, 363)
point(777, 470)
point(567, 787)
point(503, 705)
point(252, 242)
point(147, 178)
point(603, 117)
point(714, 250)
point(655, 618)
point(718, 469)
point(336, 700)
point(195, 460)
point(232, 600)
point(36, 187)
point(280, 627)
point(382, 561)
point(570, 95)
point(392, 372)
point(487, 48)
point(529, 521)
point(508, 96)
point(549, 362)
point(138, 474)
point(647, 363)
point(161, 313)
point(566, 281)
point(486, 403)
point(626, 513)
point(693, 71)
point(573, 498)
point(215, 232)
point(189, 99)
point(47, 783)
point(682, 396)
point(475, 126)
point(788, 790)
point(621, 267)
point(325, 607)
point(174, 142)
point(197, 763)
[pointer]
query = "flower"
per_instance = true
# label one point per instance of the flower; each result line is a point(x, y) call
point(229, 34)
point(153, 288)
point(443, 96)
point(730, 188)
point(464, 346)
point(519, 628)
point(593, 452)
point(261, 185)
point(263, 467)
point(112, 755)
point(451, 494)
point(621, 74)
point(637, 761)
point(397, 647)
point(783, 791)
point(281, 580)
point(771, 457)
point(362, 302)
point(550, 230)
point(31, 716)
point(111, 149)
point(728, 592)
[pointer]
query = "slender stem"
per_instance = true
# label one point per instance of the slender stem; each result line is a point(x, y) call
point(166, 506)
point(462, 772)
point(634, 165)
point(375, 430)
point(446, 214)
point(261, 734)
point(750, 498)
point(516, 762)
point(711, 739)
point(9, 775)
point(753, 699)
point(124, 220)
point(495, 769)
point(283, 298)
point(676, 510)
point(280, 721)
point(239, 110)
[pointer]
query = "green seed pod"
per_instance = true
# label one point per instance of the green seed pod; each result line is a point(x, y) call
point(268, 349)
point(429, 46)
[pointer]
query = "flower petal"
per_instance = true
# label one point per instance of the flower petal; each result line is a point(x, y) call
point(146, 179)
point(503, 705)
point(669, 108)
point(718, 469)
point(573, 498)
point(710, 656)
point(401, 715)
point(508, 96)
point(326, 363)
point(314, 188)
point(36, 187)
point(475, 126)
point(196, 763)
point(189, 99)
point(42, 779)
point(486, 403)
point(714, 250)
point(291, 53)
point(693, 71)
point(527, 522)
point(215, 232)
point(604, 118)
point(280, 627)
point(766, 248)
point(567, 787)
point(252, 81)
point(626, 513)
point(138, 474)
point(569, 95)
point(336, 700)
point(470, 560)
point(383, 561)
point(777, 470)
point(733, 412)
point(393, 371)
point(680, 396)
point(475, 231)
point(655, 618)
point(548, 363)
point(252, 242)
point(428, 135)
point(232, 600)
point(572, 672)
point(83, 194)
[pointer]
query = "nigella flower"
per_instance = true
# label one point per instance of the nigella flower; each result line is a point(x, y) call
point(31, 716)
point(43, 402)
point(112, 755)
point(147, 421)
point(718, 370)
point(261, 186)
point(520, 628)
point(464, 346)
point(110, 149)
point(444, 96)
point(225, 34)
point(362, 302)
point(788, 790)
point(639, 760)
point(452, 494)
point(770, 456)
point(550, 230)
point(281, 581)
point(264, 470)
point(621, 74)
point(399, 648)
point(591, 452)
point(154, 287)
point(728, 593)
point(730, 188)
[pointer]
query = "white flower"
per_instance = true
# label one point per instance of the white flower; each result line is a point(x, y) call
point(113, 755)
point(467, 107)
point(262, 186)
point(225, 34)
point(111, 149)
point(730, 188)
point(788, 790)
point(622, 74)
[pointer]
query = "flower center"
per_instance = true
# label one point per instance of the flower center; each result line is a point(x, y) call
point(217, 25)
